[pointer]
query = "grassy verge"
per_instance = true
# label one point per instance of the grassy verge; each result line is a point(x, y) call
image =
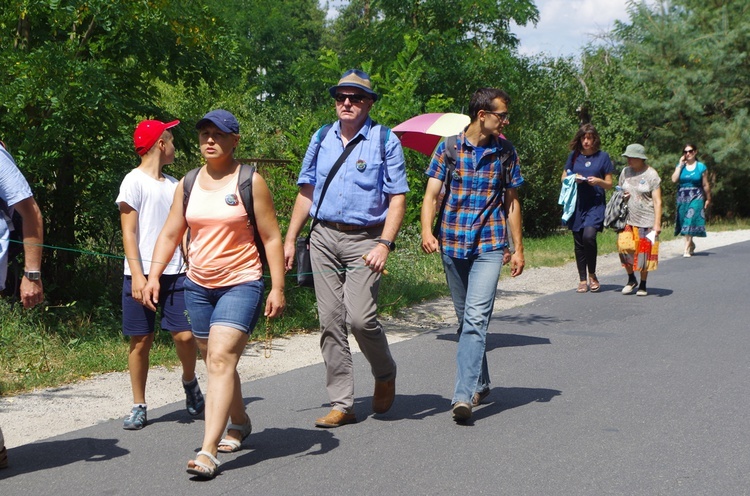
point(49, 346)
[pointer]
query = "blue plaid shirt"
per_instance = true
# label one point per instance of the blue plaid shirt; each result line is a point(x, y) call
point(474, 217)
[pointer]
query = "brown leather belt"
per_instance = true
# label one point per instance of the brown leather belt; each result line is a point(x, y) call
point(348, 227)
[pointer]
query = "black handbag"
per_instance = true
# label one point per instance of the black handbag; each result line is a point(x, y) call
point(304, 265)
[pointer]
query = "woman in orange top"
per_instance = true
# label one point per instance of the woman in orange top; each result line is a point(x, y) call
point(224, 287)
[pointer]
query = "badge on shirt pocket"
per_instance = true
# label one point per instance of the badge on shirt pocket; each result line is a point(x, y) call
point(361, 165)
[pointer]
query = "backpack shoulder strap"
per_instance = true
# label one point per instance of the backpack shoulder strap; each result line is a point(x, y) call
point(385, 133)
point(245, 187)
point(322, 133)
point(505, 158)
point(451, 156)
point(187, 186)
point(245, 182)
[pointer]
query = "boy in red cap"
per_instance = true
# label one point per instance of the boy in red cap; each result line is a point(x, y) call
point(144, 201)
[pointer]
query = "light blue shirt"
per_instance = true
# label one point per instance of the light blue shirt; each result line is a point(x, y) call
point(568, 195)
point(13, 189)
point(358, 193)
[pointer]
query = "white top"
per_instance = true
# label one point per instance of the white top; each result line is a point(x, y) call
point(152, 199)
point(641, 186)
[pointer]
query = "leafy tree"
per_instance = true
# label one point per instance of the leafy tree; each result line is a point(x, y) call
point(276, 38)
point(462, 42)
point(690, 72)
point(78, 75)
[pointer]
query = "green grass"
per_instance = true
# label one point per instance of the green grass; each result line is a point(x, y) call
point(50, 346)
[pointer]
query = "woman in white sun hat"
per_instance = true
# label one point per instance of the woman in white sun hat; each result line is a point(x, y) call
point(638, 243)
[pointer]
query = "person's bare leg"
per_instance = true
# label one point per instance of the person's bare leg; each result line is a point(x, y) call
point(223, 395)
point(138, 362)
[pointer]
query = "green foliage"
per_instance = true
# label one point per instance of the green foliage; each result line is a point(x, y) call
point(79, 74)
point(690, 73)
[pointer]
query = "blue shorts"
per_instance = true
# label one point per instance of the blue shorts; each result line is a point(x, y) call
point(238, 307)
point(138, 320)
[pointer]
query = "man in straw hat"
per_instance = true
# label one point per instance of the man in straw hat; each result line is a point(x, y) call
point(358, 218)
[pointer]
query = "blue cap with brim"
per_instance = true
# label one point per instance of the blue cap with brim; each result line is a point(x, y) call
point(354, 78)
point(222, 119)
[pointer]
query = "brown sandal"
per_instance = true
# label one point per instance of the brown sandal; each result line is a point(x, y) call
point(594, 284)
point(582, 287)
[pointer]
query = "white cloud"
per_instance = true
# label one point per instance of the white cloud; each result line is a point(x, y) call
point(567, 25)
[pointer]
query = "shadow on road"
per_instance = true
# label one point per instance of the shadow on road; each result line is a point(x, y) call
point(280, 443)
point(501, 340)
point(50, 454)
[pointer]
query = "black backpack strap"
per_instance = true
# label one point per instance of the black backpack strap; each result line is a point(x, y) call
point(450, 157)
point(506, 156)
point(245, 187)
point(187, 186)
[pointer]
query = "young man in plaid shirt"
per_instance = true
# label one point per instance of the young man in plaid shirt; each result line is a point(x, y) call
point(473, 233)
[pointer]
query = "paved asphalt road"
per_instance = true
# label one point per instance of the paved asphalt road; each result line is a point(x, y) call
point(593, 394)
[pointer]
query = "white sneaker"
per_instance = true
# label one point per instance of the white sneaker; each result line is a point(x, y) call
point(641, 292)
point(629, 288)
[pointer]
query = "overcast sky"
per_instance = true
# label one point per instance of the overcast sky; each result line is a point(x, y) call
point(564, 25)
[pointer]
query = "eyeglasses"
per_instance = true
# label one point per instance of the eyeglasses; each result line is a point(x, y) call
point(354, 98)
point(503, 116)
point(688, 151)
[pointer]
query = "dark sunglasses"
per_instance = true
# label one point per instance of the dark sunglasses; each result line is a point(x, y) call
point(357, 98)
point(503, 116)
point(688, 151)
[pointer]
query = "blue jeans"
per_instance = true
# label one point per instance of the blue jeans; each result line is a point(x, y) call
point(473, 285)
point(238, 307)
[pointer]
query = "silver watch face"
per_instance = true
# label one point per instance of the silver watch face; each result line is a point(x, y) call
point(33, 275)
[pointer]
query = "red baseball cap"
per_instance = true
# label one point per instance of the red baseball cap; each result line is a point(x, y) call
point(148, 132)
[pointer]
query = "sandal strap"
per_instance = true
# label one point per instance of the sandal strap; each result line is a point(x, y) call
point(230, 442)
point(245, 429)
point(208, 455)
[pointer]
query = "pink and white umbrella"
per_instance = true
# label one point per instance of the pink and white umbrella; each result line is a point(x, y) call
point(423, 132)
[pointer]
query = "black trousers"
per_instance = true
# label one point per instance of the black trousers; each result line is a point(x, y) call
point(585, 250)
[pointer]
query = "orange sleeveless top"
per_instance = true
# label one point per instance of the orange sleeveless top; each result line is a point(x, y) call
point(222, 249)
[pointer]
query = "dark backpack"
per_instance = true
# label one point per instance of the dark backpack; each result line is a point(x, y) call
point(245, 181)
point(451, 158)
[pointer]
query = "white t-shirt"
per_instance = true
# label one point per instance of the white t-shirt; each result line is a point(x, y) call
point(152, 199)
point(641, 186)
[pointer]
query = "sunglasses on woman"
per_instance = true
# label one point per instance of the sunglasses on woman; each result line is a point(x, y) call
point(688, 151)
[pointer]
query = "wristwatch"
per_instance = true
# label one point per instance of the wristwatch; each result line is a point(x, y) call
point(390, 244)
point(32, 275)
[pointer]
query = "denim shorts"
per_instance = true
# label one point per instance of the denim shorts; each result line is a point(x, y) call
point(138, 320)
point(238, 307)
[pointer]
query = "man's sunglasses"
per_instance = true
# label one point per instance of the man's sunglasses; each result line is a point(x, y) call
point(503, 116)
point(356, 98)
point(688, 151)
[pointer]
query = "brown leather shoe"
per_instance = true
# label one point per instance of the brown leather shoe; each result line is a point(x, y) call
point(461, 411)
point(336, 418)
point(476, 400)
point(382, 398)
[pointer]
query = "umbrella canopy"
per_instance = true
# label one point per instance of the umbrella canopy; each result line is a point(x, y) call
point(423, 132)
